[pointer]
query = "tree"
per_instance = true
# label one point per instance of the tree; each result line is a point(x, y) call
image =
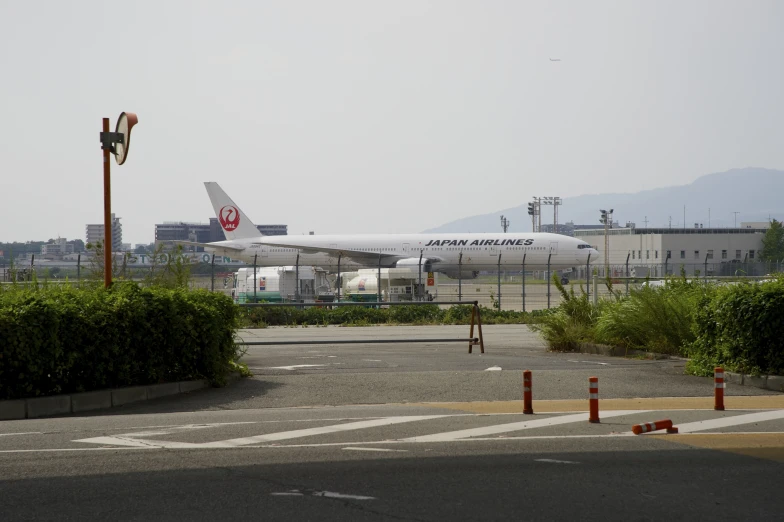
point(773, 242)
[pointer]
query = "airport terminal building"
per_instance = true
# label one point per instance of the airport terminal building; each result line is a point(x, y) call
point(655, 252)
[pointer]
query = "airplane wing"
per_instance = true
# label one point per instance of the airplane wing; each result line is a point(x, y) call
point(360, 256)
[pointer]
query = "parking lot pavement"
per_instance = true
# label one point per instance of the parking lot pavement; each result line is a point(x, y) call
point(412, 432)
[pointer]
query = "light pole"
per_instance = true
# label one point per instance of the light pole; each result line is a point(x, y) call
point(504, 223)
point(532, 213)
point(606, 220)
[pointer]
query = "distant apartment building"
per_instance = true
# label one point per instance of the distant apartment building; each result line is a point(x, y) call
point(95, 233)
point(168, 232)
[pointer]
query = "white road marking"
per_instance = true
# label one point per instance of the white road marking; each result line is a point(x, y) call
point(725, 422)
point(327, 494)
point(515, 426)
point(554, 461)
point(372, 360)
point(293, 367)
point(493, 369)
point(332, 494)
point(121, 440)
point(23, 433)
point(388, 442)
point(375, 449)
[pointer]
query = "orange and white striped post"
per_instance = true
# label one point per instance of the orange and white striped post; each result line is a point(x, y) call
point(665, 424)
point(593, 399)
point(718, 388)
point(528, 407)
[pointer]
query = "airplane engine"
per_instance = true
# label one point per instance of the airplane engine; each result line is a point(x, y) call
point(454, 273)
point(413, 262)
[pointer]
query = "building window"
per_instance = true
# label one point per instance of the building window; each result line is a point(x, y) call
point(696, 254)
point(724, 254)
point(683, 254)
point(737, 254)
point(751, 254)
point(647, 254)
point(639, 254)
point(710, 254)
point(669, 254)
point(633, 255)
point(657, 254)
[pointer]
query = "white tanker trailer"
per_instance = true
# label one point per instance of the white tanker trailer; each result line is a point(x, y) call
point(397, 284)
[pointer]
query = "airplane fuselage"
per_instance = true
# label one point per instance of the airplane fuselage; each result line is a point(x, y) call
point(470, 250)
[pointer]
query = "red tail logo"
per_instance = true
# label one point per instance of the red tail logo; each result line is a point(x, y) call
point(229, 218)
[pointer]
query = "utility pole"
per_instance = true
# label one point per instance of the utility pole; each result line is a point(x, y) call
point(504, 223)
point(606, 220)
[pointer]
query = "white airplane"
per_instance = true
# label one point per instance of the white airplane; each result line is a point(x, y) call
point(451, 254)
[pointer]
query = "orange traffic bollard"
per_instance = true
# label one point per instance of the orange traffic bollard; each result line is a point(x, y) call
point(718, 388)
point(593, 399)
point(528, 407)
point(665, 424)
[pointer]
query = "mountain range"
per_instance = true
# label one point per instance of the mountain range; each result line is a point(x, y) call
point(755, 194)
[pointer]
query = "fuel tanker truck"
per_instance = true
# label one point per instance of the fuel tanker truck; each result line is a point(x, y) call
point(278, 284)
point(397, 284)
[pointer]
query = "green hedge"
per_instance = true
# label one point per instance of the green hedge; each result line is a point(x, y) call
point(367, 315)
point(740, 328)
point(62, 340)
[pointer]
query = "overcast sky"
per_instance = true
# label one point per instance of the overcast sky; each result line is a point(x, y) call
point(365, 116)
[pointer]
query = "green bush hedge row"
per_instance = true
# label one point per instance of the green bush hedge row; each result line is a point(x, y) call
point(365, 315)
point(740, 328)
point(63, 340)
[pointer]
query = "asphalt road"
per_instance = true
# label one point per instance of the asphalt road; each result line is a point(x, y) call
point(407, 432)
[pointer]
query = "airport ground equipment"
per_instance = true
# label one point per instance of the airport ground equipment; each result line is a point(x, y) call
point(281, 284)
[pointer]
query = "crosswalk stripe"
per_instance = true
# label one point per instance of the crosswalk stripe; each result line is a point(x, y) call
point(514, 426)
point(735, 420)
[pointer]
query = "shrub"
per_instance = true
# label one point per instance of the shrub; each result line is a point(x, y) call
point(571, 323)
point(654, 319)
point(64, 340)
point(740, 328)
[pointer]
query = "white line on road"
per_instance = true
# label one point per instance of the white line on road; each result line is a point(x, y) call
point(554, 461)
point(725, 422)
point(332, 494)
point(293, 367)
point(493, 369)
point(122, 440)
point(515, 426)
point(375, 449)
point(23, 433)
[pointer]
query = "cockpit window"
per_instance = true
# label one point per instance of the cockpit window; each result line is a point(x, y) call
point(584, 245)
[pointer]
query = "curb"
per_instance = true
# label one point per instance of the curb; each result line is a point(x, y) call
point(764, 382)
point(95, 400)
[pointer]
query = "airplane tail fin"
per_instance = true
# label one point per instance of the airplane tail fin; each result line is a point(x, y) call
point(235, 224)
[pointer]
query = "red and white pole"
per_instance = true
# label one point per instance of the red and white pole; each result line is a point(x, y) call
point(665, 424)
point(593, 399)
point(718, 388)
point(528, 407)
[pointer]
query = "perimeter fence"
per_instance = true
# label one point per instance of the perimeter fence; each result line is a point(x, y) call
point(492, 284)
